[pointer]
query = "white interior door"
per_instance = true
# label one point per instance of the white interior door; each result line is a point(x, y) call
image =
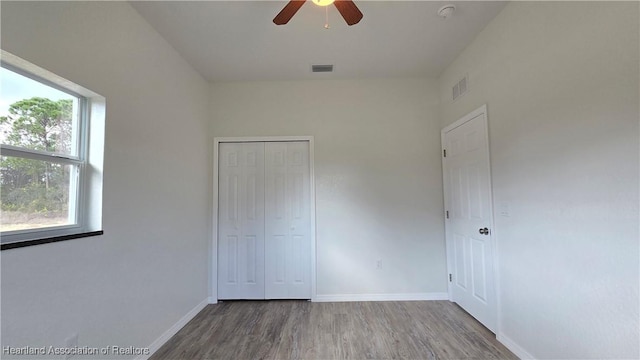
point(287, 221)
point(467, 186)
point(264, 220)
point(241, 221)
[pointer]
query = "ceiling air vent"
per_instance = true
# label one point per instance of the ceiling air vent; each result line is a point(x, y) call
point(460, 88)
point(321, 68)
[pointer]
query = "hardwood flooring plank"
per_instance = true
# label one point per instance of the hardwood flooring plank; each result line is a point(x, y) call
point(359, 330)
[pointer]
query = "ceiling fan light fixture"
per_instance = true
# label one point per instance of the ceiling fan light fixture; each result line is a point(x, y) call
point(323, 2)
point(347, 9)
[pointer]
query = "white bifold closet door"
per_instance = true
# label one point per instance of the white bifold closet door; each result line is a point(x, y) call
point(287, 221)
point(241, 221)
point(264, 227)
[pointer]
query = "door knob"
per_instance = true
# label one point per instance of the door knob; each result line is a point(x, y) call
point(484, 231)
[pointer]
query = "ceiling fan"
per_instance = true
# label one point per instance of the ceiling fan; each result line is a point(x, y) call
point(347, 9)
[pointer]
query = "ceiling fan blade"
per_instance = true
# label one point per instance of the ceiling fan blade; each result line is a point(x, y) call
point(287, 12)
point(349, 11)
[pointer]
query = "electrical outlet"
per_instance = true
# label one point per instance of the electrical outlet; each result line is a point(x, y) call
point(379, 264)
point(71, 342)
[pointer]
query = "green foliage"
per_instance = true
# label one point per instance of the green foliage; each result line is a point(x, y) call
point(40, 124)
point(30, 185)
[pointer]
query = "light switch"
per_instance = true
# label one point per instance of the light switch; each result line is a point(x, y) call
point(504, 208)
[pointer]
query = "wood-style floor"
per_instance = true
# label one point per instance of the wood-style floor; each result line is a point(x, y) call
point(357, 330)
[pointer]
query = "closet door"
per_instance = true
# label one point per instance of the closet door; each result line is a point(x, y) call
point(241, 221)
point(287, 221)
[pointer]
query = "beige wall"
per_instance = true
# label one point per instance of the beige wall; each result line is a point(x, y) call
point(377, 172)
point(150, 267)
point(560, 81)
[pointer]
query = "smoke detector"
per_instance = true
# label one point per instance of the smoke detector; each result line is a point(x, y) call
point(446, 11)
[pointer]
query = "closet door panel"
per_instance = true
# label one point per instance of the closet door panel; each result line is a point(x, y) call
point(241, 221)
point(287, 221)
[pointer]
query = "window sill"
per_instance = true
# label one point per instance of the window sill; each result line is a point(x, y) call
point(47, 240)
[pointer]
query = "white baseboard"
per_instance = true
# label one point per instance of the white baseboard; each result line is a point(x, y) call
point(157, 344)
point(515, 348)
point(381, 297)
point(211, 300)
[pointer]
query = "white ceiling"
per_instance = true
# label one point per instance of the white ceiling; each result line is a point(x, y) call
point(237, 40)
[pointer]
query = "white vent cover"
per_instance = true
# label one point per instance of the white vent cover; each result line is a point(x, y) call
point(321, 68)
point(460, 88)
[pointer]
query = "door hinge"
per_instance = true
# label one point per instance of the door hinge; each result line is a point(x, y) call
point(447, 213)
point(450, 277)
point(444, 152)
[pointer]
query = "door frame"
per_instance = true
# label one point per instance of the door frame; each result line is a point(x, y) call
point(213, 260)
point(448, 241)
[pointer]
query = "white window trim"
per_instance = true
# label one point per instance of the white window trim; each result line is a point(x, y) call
point(89, 160)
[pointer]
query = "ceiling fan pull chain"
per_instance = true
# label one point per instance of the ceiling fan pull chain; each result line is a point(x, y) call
point(326, 17)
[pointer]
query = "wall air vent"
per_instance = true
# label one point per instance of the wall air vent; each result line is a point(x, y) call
point(321, 68)
point(460, 88)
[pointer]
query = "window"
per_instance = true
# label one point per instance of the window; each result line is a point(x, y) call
point(51, 142)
